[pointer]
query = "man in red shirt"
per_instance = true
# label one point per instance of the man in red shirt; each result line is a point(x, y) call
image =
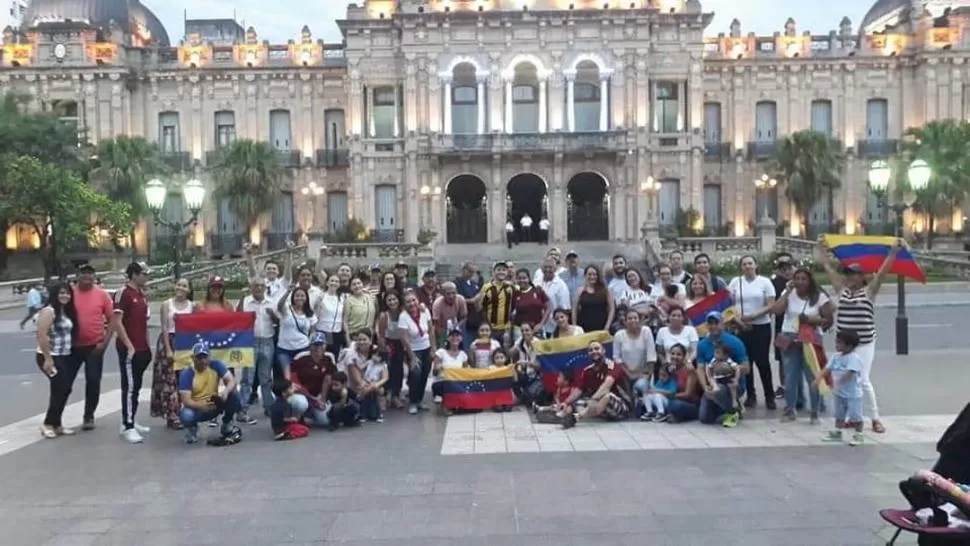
point(95, 322)
point(134, 352)
point(311, 373)
point(601, 386)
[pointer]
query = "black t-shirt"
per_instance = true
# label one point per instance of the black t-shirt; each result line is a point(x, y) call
point(334, 396)
point(780, 283)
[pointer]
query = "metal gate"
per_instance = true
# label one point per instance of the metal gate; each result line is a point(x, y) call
point(588, 221)
point(467, 221)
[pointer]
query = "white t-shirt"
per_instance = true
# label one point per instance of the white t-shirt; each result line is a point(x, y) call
point(544, 224)
point(526, 221)
point(752, 296)
point(637, 299)
point(667, 339)
point(374, 371)
point(658, 291)
point(419, 340)
point(483, 353)
point(331, 311)
point(295, 330)
point(797, 306)
point(635, 353)
point(449, 361)
point(509, 227)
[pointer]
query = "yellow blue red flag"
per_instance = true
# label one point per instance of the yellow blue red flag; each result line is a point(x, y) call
point(477, 389)
point(229, 335)
point(870, 251)
point(567, 354)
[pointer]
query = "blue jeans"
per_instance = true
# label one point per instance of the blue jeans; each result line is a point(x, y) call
point(263, 352)
point(682, 410)
point(191, 418)
point(246, 376)
point(418, 379)
point(301, 406)
point(370, 406)
point(848, 410)
point(285, 357)
point(718, 404)
point(796, 373)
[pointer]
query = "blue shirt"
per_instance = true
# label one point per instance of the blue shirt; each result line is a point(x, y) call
point(846, 382)
point(34, 298)
point(666, 385)
point(205, 384)
point(573, 282)
point(735, 349)
point(467, 288)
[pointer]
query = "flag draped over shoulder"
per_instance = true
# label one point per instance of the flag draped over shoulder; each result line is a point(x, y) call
point(567, 354)
point(229, 335)
point(814, 354)
point(870, 251)
point(477, 389)
point(719, 301)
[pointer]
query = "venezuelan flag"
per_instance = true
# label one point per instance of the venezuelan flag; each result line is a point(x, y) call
point(230, 337)
point(719, 301)
point(814, 354)
point(567, 354)
point(477, 389)
point(870, 251)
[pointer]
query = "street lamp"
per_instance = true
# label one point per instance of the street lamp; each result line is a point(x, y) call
point(765, 184)
point(193, 193)
point(650, 188)
point(427, 192)
point(918, 174)
point(312, 191)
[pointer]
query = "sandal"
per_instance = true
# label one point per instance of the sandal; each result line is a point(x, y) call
point(878, 427)
point(48, 432)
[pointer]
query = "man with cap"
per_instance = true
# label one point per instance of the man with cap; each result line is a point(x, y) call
point(718, 404)
point(312, 372)
point(201, 399)
point(495, 301)
point(96, 321)
point(467, 286)
point(784, 268)
point(401, 270)
point(428, 291)
point(572, 275)
point(134, 352)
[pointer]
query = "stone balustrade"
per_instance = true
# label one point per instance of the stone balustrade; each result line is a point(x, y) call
point(358, 255)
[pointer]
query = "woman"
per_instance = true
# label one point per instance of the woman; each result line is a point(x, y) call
point(215, 298)
point(306, 279)
point(390, 284)
point(563, 328)
point(165, 401)
point(638, 295)
point(528, 374)
point(344, 274)
point(593, 306)
point(529, 304)
point(677, 331)
point(802, 302)
point(702, 267)
point(330, 309)
point(359, 308)
point(390, 339)
point(296, 321)
point(452, 355)
point(754, 295)
point(635, 350)
point(685, 403)
point(419, 345)
point(55, 330)
point(667, 292)
point(356, 356)
point(856, 312)
point(698, 289)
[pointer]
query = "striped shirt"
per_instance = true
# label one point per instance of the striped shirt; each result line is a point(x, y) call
point(496, 303)
point(857, 313)
point(60, 336)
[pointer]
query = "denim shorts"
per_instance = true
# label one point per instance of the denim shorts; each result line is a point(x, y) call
point(848, 410)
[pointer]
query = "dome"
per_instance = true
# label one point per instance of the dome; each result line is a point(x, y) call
point(97, 13)
point(897, 11)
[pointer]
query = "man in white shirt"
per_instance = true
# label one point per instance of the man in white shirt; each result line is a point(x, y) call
point(275, 275)
point(526, 232)
point(616, 280)
point(509, 233)
point(556, 290)
point(676, 261)
point(544, 231)
point(553, 254)
point(258, 303)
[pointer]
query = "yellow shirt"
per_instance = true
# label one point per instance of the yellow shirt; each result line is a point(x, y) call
point(497, 304)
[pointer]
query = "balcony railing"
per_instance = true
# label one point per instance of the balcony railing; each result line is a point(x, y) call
point(177, 161)
point(291, 158)
point(333, 158)
point(530, 142)
point(277, 241)
point(225, 244)
point(386, 236)
point(762, 150)
point(718, 150)
point(878, 148)
point(670, 140)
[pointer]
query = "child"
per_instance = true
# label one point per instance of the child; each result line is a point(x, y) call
point(448, 356)
point(843, 370)
point(286, 424)
point(500, 359)
point(658, 394)
point(480, 352)
point(553, 414)
point(344, 407)
point(721, 371)
point(373, 378)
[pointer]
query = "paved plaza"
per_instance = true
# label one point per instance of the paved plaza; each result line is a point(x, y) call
point(483, 479)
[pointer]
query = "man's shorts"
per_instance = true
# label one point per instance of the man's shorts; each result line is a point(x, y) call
point(616, 408)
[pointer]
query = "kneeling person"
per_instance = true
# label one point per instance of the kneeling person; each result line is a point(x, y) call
point(287, 424)
point(201, 400)
point(344, 407)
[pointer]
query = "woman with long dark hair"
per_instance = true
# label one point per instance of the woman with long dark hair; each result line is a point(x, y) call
point(296, 320)
point(390, 284)
point(593, 304)
point(165, 400)
point(754, 295)
point(55, 334)
point(389, 339)
point(419, 344)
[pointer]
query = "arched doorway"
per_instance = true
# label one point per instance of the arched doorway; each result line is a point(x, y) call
point(526, 195)
point(587, 208)
point(467, 210)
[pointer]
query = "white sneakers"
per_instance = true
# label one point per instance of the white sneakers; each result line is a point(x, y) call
point(134, 435)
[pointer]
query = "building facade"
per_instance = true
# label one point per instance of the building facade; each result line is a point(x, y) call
point(605, 117)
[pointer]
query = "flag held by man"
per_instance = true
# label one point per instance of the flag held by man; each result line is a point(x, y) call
point(229, 335)
point(719, 301)
point(477, 389)
point(567, 354)
point(870, 251)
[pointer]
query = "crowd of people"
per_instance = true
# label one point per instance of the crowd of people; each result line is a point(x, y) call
point(337, 349)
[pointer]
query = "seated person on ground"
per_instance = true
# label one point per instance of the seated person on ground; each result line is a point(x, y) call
point(600, 386)
point(287, 425)
point(344, 407)
point(718, 404)
point(201, 399)
point(312, 372)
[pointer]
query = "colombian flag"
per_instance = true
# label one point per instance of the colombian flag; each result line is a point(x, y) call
point(870, 251)
point(477, 389)
point(719, 301)
point(230, 337)
point(569, 354)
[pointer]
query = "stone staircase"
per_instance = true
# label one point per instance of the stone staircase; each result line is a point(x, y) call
point(448, 258)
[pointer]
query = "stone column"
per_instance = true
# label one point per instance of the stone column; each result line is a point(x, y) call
point(370, 112)
point(397, 111)
point(446, 94)
point(543, 106)
point(604, 102)
point(681, 105)
point(496, 203)
point(411, 191)
point(570, 99)
point(508, 106)
point(481, 79)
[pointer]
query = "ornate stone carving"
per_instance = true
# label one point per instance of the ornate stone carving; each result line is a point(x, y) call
point(790, 28)
point(735, 28)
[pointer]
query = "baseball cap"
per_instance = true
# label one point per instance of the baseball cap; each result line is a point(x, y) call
point(375, 267)
point(137, 268)
point(851, 269)
point(319, 338)
point(428, 274)
point(500, 264)
point(572, 254)
point(454, 332)
point(401, 265)
point(200, 349)
point(216, 280)
point(713, 316)
point(784, 259)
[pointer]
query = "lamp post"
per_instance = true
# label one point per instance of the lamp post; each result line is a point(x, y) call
point(194, 193)
point(918, 175)
point(764, 184)
point(312, 191)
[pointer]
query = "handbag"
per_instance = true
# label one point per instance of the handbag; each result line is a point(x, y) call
point(784, 340)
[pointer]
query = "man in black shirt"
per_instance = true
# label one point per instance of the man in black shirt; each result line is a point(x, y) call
point(784, 268)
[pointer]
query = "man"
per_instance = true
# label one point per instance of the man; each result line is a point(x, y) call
point(616, 280)
point(557, 292)
point(678, 274)
point(717, 403)
point(401, 269)
point(448, 311)
point(96, 320)
point(510, 233)
point(555, 255)
point(428, 291)
point(601, 384)
point(525, 235)
point(35, 302)
point(134, 353)
point(312, 371)
point(374, 284)
point(784, 268)
point(544, 231)
point(702, 268)
point(201, 400)
point(276, 277)
point(468, 287)
point(264, 348)
point(495, 301)
point(572, 275)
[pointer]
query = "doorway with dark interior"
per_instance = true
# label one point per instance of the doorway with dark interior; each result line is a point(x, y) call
point(527, 203)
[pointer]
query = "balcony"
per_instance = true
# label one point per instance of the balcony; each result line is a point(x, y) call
point(718, 150)
point(530, 142)
point(177, 161)
point(670, 141)
point(760, 151)
point(290, 158)
point(382, 145)
point(877, 148)
point(277, 241)
point(225, 244)
point(333, 158)
point(386, 236)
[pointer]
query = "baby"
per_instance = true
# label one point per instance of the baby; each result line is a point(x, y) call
point(721, 372)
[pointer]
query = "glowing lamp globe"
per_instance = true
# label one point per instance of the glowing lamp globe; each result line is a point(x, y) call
point(879, 175)
point(155, 193)
point(919, 175)
point(194, 193)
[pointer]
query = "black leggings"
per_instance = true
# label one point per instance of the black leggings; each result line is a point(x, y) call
point(757, 341)
point(60, 386)
point(395, 368)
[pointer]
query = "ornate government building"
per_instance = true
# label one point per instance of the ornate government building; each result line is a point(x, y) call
point(602, 116)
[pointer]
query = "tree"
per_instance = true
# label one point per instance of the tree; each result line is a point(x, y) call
point(249, 175)
point(945, 146)
point(810, 163)
point(121, 167)
point(59, 206)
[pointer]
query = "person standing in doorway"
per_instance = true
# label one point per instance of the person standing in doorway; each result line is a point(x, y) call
point(95, 322)
point(544, 231)
point(134, 353)
point(525, 235)
point(510, 233)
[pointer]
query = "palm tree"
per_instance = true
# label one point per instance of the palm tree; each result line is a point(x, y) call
point(945, 146)
point(121, 167)
point(810, 163)
point(249, 175)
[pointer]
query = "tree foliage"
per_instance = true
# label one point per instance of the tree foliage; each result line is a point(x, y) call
point(810, 164)
point(249, 175)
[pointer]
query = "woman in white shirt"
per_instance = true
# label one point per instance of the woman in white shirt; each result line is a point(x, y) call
point(330, 310)
point(296, 320)
point(165, 400)
point(677, 331)
point(754, 295)
point(452, 356)
point(802, 302)
point(635, 349)
point(561, 318)
point(637, 296)
point(419, 345)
